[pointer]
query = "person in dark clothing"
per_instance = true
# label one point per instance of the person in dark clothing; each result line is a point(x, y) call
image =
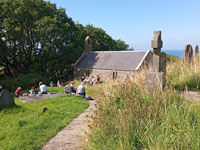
point(82, 78)
point(1, 88)
point(71, 89)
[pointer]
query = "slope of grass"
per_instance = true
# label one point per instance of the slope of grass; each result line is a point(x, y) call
point(184, 76)
point(130, 118)
point(25, 127)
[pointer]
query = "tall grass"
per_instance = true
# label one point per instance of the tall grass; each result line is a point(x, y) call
point(184, 76)
point(128, 117)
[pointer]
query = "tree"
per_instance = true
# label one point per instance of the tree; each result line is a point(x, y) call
point(121, 45)
point(102, 41)
point(35, 36)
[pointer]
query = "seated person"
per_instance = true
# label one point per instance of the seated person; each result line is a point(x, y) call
point(82, 78)
point(43, 88)
point(1, 88)
point(81, 89)
point(71, 89)
point(98, 79)
point(93, 80)
point(33, 91)
point(51, 84)
point(87, 80)
point(17, 91)
point(61, 84)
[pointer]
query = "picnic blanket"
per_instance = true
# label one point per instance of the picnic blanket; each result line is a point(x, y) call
point(39, 97)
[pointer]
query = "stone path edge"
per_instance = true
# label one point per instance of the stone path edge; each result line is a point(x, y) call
point(73, 135)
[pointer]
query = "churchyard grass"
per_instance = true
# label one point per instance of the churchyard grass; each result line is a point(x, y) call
point(184, 76)
point(25, 127)
point(128, 117)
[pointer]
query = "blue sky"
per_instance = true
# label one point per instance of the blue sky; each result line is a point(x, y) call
point(134, 21)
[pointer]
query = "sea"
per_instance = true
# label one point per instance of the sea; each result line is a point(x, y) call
point(178, 53)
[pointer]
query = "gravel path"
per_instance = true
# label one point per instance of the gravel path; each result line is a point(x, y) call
point(72, 136)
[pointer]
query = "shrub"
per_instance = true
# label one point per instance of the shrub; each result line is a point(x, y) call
point(26, 81)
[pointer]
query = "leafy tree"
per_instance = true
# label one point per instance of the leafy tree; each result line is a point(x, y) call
point(101, 40)
point(35, 36)
point(121, 45)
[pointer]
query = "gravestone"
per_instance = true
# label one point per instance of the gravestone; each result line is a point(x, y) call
point(88, 44)
point(188, 53)
point(163, 62)
point(197, 50)
point(6, 99)
point(155, 79)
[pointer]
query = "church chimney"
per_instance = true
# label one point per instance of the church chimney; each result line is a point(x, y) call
point(88, 44)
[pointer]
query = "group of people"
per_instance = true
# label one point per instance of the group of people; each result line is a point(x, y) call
point(71, 90)
point(79, 91)
point(93, 80)
point(33, 91)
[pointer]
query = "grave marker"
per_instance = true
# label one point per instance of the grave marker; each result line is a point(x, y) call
point(6, 99)
point(155, 79)
point(197, 50)
point(188, 53)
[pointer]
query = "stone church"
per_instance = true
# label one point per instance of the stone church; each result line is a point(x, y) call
point(110, 65)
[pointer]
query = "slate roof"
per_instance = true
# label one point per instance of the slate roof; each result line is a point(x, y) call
point(113, 60)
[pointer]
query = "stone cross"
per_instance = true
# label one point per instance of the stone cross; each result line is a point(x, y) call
point(88, 44)
point(6, 99)
point(188, 53)
point(197, 50)
point(157, 43)
point(156, 78)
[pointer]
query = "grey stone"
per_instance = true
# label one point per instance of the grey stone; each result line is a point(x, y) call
point(155, 81)
point(157, 43)
point(88, 44)
point(188, 53)
point(6, 99)
point(162, 67)
point(197, 50)
point(156, 61)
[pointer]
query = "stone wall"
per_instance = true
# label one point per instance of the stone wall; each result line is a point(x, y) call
point(104, 74)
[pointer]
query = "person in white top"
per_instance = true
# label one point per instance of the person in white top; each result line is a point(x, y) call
point(81, 89)
point(43, 88)
point(93, 80)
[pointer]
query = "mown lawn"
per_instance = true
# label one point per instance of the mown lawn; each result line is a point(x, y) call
point(25, 127)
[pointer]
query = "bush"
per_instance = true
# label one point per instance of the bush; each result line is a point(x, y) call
point(26, 81)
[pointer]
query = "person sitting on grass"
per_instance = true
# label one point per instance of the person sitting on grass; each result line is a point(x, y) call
point(33, 91)
point(82, 78)
point(71, 89)
point(1, 88)
point(98, 79)
point(51, 84)
point(17, 91)
point(81, 90)
point(43, 88)
point(93, 80)
point(87, 80)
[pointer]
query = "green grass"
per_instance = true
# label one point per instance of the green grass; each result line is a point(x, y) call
point(25, 127)
point(130, 118)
